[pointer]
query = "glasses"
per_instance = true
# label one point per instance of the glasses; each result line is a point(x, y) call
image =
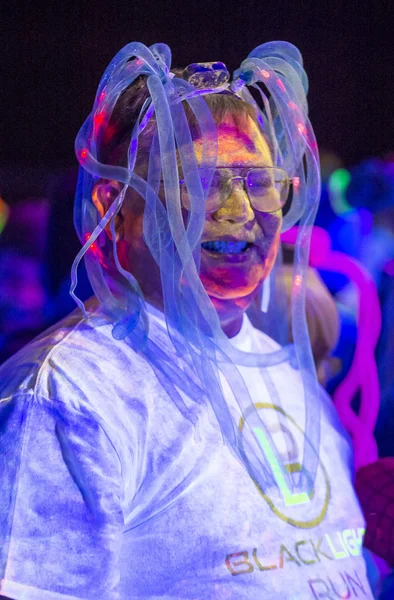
point(267, 187)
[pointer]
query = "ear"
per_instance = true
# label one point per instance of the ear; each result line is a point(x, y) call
point(103, 195)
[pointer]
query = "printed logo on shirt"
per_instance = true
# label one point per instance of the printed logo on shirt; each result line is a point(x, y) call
point(293, 506)
point(317, 553)
point(337, 545)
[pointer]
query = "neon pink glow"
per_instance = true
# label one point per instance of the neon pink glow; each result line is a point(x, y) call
point(86, 239)
point(298, 281)
point(296, 182)
point(94, 247)
point(99, 118)
point(301, 128)
point(102, 96)
point(292, 105)
point(362, 374)
point(265, 74)
point(84, 153)
point(98, 121)
point(281, 84)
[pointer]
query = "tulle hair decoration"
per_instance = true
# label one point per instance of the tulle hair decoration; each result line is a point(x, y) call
point(273, 80)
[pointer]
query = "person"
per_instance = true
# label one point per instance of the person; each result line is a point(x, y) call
point(158, 445)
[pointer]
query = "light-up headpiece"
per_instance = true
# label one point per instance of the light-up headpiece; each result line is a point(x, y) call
point(278, 82)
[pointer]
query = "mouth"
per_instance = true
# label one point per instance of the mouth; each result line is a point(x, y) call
point(233, 247)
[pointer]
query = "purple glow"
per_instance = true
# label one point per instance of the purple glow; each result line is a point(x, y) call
point(362, 374)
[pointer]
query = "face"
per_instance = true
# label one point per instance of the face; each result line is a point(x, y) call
point(231, 279)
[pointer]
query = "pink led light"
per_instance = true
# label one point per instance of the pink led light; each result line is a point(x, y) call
point(96, 251)
point(292, 105)
point(99, 118)
point(84, 153)
point(297, 281)
point(301, 128)
point(296, 182)
point(265, 74)
point(281, 84)
point(102, 96)
point(86, 238)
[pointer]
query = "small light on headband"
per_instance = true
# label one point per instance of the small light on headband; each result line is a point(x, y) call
point(297, 281)
point(207, 75)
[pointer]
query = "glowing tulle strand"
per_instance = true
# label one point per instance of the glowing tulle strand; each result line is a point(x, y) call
point(192, 321)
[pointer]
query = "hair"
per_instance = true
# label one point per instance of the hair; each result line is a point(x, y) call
point(116, 138)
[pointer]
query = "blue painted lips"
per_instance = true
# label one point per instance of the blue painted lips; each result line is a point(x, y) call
point(225, 247)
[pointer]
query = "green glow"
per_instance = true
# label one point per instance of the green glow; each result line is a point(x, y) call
point(339, 180)
point(338, 184)
point(289, 498)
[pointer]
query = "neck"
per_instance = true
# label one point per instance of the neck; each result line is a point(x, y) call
point(230, 323)
point(231, 328)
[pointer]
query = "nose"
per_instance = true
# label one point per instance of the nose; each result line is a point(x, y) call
point(237, 208)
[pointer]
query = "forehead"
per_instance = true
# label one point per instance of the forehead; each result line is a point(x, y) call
point(240, 145)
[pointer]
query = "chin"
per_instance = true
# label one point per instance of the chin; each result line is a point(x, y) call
point(235, 304)
point(228, 282)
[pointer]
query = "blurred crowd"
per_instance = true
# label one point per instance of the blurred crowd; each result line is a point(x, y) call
point(38, 244)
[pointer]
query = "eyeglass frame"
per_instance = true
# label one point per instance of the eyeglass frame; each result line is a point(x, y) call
point(244, 178)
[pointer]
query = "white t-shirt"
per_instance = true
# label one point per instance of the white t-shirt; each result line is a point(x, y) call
point(111, 490)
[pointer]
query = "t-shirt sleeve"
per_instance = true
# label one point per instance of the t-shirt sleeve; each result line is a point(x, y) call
point(61, 496)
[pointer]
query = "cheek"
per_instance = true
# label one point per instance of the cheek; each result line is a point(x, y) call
point(133, 229)
point(132, 249)
point(270, 224)
point(272, 253)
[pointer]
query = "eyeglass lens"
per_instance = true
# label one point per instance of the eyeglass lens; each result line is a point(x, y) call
point(266, 187)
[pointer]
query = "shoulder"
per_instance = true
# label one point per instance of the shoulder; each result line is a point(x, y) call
point(70, 362)
point(21, 372)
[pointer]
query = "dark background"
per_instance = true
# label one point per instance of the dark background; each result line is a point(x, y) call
point(54, 54)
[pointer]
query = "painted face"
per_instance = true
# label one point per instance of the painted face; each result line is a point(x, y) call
point(231, 279)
